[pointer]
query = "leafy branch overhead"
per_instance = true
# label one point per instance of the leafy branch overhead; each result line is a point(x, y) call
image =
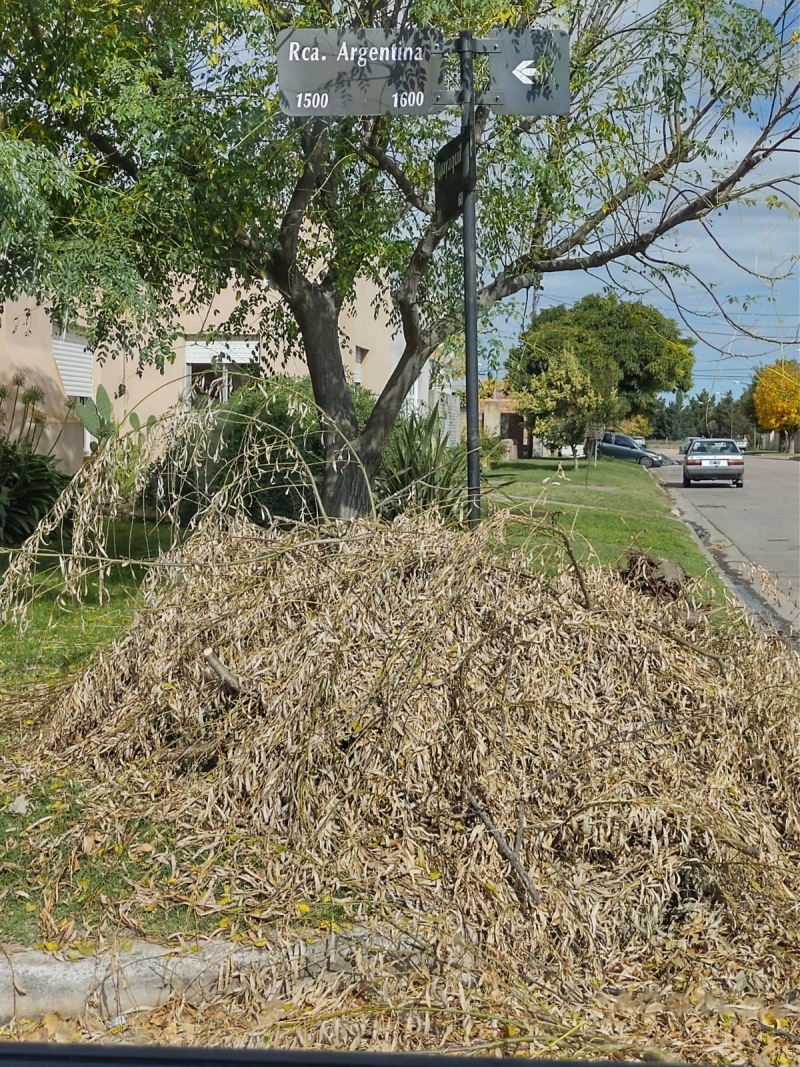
point(145, 166)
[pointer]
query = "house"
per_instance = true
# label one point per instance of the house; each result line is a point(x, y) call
point(58, 363)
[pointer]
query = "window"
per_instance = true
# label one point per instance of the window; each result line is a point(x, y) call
point(74, 362)
point(216, 370)
point(361, 355)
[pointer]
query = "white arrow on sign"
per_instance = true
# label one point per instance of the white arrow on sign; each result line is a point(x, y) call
point(527, 71)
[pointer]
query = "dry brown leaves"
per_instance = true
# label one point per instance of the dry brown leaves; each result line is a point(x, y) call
point(559, 806)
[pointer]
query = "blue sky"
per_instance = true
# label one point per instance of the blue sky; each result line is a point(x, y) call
point(765, 241)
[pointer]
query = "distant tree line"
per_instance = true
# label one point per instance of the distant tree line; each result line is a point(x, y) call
point(706, 414)
point(770, 403)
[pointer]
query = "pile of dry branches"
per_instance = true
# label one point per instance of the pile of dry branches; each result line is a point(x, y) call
point(547, 788)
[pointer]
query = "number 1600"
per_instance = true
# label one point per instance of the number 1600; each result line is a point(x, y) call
point(411, 99)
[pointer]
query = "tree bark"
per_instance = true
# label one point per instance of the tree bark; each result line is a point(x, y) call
point(347, 489)
point(346, 486)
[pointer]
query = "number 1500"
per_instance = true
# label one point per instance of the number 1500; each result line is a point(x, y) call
point(306, 101)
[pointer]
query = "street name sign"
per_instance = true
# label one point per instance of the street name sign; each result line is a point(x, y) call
point(358, 72)
point(454, 175)
point(530, 72)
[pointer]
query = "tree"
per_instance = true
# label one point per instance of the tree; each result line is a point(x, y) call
point(729, 418)
point(560, 403)
point(624, 345)
point(672, 419)
point(546, 339)
point(777, 396)
point(149, 167)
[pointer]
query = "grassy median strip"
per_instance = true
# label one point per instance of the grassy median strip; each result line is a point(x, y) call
point(61, 634)
point(608, 508)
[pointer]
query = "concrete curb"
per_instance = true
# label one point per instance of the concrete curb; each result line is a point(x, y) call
point(112, 983)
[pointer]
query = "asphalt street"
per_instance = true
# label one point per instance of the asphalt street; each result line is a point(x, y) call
point(752, 533)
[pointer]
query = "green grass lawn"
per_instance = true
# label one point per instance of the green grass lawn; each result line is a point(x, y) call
point(608, 508)
point(60, 633)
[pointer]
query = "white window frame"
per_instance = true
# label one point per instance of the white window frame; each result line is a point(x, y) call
point(229, 355)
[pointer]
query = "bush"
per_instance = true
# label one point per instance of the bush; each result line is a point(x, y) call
point(264, 453)
point(264, 449)
point(492, 448)
point(30, 483)
point(29, 486)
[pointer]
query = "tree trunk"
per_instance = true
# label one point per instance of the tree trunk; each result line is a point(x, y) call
point(347, 490)
point(346, 487)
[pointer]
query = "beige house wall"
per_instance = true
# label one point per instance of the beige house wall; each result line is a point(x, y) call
point(26, 348)
point(26, 345)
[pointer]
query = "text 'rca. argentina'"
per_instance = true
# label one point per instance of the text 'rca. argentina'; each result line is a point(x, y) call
point(360, 55)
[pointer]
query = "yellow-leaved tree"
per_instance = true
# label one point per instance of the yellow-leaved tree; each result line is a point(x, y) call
point(777, 396)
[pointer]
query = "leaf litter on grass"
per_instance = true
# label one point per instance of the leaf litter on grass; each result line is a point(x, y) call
point(536, 813)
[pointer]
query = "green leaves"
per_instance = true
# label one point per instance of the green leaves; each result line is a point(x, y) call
point(626, 347)
point(421, 469)
point(97, 417)
point(29, 486)
point(559, 403)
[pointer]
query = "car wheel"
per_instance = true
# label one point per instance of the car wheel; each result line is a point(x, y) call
point(739, 483)
point(645, 461)
point(686, 482)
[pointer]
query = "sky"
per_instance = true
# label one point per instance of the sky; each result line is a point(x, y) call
point(766, 242)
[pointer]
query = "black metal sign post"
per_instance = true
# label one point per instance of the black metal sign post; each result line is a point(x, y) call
point(470, 285)
point(379, 72)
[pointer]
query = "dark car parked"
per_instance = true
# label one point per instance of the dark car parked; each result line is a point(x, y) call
point(621, 446)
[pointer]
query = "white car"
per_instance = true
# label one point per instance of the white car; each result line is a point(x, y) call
point(713, 459)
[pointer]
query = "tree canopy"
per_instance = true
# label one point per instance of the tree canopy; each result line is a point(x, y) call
point(559, 403)
point(777, 396)
point(145, 165)
point(630, 351)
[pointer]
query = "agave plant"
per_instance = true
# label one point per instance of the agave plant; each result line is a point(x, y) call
point(421, 469)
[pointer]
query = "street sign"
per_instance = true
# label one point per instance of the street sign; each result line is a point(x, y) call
point(358, 72)
point(530, 72)
point(454, 175)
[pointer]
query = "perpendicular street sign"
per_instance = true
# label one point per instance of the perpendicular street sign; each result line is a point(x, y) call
point(454, 175)
point(530, 71)
point(358, 72)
